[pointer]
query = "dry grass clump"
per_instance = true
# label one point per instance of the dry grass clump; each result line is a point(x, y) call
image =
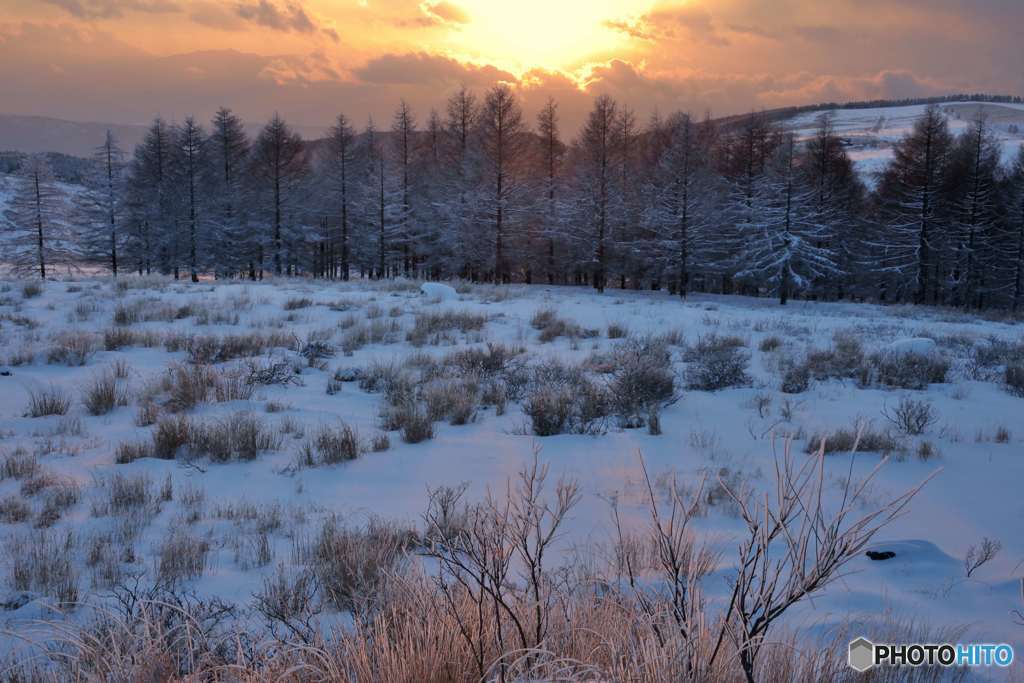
point(551, 326)
point(861, 438)
point(43, 562)
point(411, 419)
point(352, 564)
point(120, 494)
point(995, 354)
point(73, 347)
point(14, 509)
point(454, 400)
point(903, 370)
point(843, 360)
point(56, 499)
point(617, 330)
point(181, 556)
point(1013, 377)
point(170, 434)
point(376, 332)
point(18, 464)
point(432, 327)
point(130, 451)
point(716, 362)
point(296, 303)
point(31, 290)
point(214, 349)
point(46, 401)
point(103, 393)
point(331, 445)
point(238, 436)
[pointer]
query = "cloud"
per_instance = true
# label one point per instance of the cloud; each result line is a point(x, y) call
point(444, 12)
point(422, 68)
point(672, 23)
point(286, 17)
point(113, 9)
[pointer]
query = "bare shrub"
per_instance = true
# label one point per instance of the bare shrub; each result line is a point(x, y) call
point(563, 400)
point(796, 379)
point(42, 562)
point(147, 414)
point(46, 401)
point(381, 442)
point(181, 556)
point(31, 290)
point(71, 348)
point(552, 327)
point(170, 434)
point(352, 564)
point(716, 363)
point(331, 445)
point(103, 393)
point(911, 416)
point(116, 338)
point(290, 605)
point(642, 379)
point(981, 554)
point(769, 344)
point(903, 370)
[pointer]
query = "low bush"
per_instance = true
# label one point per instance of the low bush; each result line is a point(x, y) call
point(843, 360)
point(30, 290)
point(429, 328)
point(238, 436)
point(641, 379)
point(911, 416)
point(717, 363)
point(170, 434)
point(181, 556)
point(903, 370)
point(796, 379)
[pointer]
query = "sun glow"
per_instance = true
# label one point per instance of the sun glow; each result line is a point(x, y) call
point(554, 34)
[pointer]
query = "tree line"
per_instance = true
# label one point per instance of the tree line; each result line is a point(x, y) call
point(479, 192)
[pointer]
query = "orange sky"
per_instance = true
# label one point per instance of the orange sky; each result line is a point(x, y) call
point(125, 61)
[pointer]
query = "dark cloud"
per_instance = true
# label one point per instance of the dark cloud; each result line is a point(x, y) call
point(112, 9)
point(288, 16)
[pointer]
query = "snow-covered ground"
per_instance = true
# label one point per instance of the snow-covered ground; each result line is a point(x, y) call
point(976, 441)
point(872, 132)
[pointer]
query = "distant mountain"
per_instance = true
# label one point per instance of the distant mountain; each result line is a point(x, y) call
point(32, 134)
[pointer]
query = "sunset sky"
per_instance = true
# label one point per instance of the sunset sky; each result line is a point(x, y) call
point(124, 61)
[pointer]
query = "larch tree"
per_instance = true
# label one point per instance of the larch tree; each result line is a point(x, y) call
point(228, 152)
point(188, 163)
point(341, 168)
point(783, 236)
point(910, 242)
point(99, 207)
point(597, 148)
point(503, 144)
point(403, 129)
point(553, 153)
point(279, 166)
point(149, 198)
point(37, 241)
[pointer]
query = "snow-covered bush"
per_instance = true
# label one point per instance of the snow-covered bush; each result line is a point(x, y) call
point(642, 378)
point(716, 363)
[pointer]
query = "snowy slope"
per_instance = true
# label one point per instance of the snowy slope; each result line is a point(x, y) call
point(872, 132)
point(976, 492)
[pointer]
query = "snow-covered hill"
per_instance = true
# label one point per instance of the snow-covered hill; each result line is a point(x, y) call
point(872, 132)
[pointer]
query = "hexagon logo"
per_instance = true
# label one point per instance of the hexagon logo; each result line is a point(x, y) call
point(862, 654)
